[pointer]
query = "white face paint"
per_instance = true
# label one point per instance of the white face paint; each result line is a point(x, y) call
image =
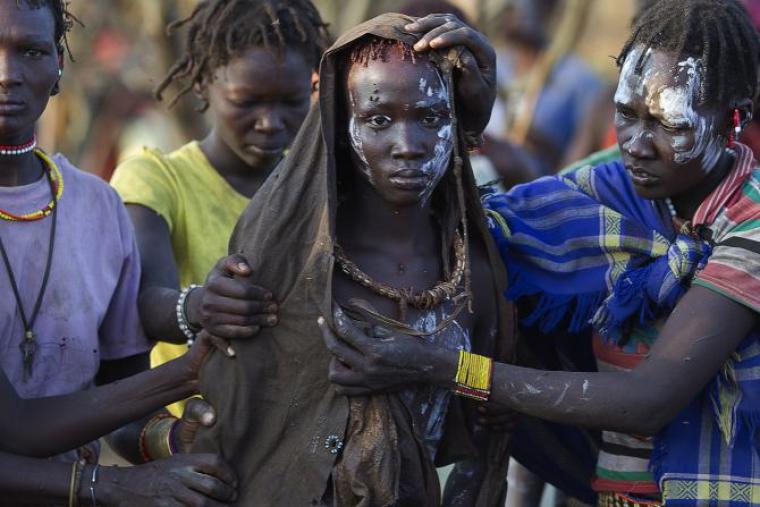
point(356, 139)
point(436, 166)
point(694, 135)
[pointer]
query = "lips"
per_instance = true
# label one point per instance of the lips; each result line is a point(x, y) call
point(266, 149)
point(8, 106)
point(642, 178)
point(410, 179)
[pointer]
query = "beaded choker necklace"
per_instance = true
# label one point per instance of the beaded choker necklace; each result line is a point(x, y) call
point(56, 182)
point(421, 300)
point(7, 150)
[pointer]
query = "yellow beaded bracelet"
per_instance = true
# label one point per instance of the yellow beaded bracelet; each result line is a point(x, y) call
point(473, 376)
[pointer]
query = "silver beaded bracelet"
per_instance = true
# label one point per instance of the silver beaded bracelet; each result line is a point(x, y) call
point(182, 322)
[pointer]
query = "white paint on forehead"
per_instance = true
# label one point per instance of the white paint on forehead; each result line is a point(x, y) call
point(675, 105)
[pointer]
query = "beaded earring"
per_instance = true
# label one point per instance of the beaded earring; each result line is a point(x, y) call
point(733, 136)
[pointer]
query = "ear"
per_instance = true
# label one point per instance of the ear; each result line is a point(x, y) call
point(57, 86)
point(746, 110)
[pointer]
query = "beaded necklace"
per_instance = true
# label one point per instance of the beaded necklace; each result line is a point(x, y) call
point(8, 150)
point(28, 344)
point(421, 300)
point(54, 176)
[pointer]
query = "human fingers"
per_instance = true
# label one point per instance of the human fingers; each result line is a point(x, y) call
point(345, 353)
point(343, 375)
point(233, 332)
point(427, 23)
point(238, 288)
point(213, 465)
point(224, 316)
point(349, 332)
point(199, 412)
point(473, 40)
point(424, 43)
point(222, 345)
point(233, 265)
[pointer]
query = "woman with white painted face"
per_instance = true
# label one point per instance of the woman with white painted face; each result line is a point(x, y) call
point(659, 254)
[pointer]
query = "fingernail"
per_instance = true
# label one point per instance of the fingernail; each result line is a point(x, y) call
point(272, 308)
point(419, 45)
point(435, 42)
point(207, 419)
point(242, 266)
point(321, 321)
point(230, 351)
point(272, 320)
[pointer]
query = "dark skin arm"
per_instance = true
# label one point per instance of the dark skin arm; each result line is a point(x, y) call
point(85, 415)
point(475, 72)
point(699, 336)
point(199, 479)
point(233, 308)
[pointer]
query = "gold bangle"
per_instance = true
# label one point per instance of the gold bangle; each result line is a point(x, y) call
point(473, 378)
point(158, 438)
point(76, 478)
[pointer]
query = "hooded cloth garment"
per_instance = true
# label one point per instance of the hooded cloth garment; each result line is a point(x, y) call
point(281, 425)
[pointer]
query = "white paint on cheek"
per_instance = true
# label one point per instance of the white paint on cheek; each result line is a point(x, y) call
point(423, 84)
point(356, 141)
point(437, 165)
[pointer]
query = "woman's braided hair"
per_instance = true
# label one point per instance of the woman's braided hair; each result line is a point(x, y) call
point(218, 30)
point(62, 18)
point(720, 32)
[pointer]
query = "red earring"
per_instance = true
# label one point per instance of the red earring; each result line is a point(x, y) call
point(737, 124)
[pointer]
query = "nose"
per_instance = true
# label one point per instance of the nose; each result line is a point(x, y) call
point(640, 144)
point(269, 121)
point(408, 143)
point(10, 73)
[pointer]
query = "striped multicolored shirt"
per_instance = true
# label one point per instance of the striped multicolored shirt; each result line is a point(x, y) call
point(732, 215)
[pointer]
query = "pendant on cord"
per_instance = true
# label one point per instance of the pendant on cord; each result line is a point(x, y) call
point(28, 347)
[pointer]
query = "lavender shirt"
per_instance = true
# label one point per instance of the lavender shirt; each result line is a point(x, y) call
point(89, 312)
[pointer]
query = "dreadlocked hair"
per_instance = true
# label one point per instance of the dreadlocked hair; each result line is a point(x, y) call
point(63, 18)
point(375, 48)
point(719, 32)
point(218, 30)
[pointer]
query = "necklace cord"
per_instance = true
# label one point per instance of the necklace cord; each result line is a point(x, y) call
point(29, 324)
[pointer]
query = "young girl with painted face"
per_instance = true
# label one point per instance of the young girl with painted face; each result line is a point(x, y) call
point(660, 253)
point(374, 209)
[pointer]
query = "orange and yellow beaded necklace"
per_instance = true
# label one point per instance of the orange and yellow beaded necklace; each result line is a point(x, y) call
point(56, 182)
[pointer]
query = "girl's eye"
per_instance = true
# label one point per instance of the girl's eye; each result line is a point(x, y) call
point(432, 120)
point(626, 113)
point(33, 53)
point(674, 129)
point(379, 121)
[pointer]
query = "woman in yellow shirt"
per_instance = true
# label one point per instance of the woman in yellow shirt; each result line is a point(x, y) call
point(253, 77)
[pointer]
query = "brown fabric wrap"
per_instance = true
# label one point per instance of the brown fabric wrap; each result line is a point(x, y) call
point(277, 413)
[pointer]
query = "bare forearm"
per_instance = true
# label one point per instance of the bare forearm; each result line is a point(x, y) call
point(84, 416)
point(28, 481)
point(158, 314)
point(615, 401)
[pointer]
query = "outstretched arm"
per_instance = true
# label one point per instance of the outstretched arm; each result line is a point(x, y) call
point(47, 426)
point(699, 336)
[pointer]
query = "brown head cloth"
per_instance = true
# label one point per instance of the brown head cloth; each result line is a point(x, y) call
point(280, 423)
